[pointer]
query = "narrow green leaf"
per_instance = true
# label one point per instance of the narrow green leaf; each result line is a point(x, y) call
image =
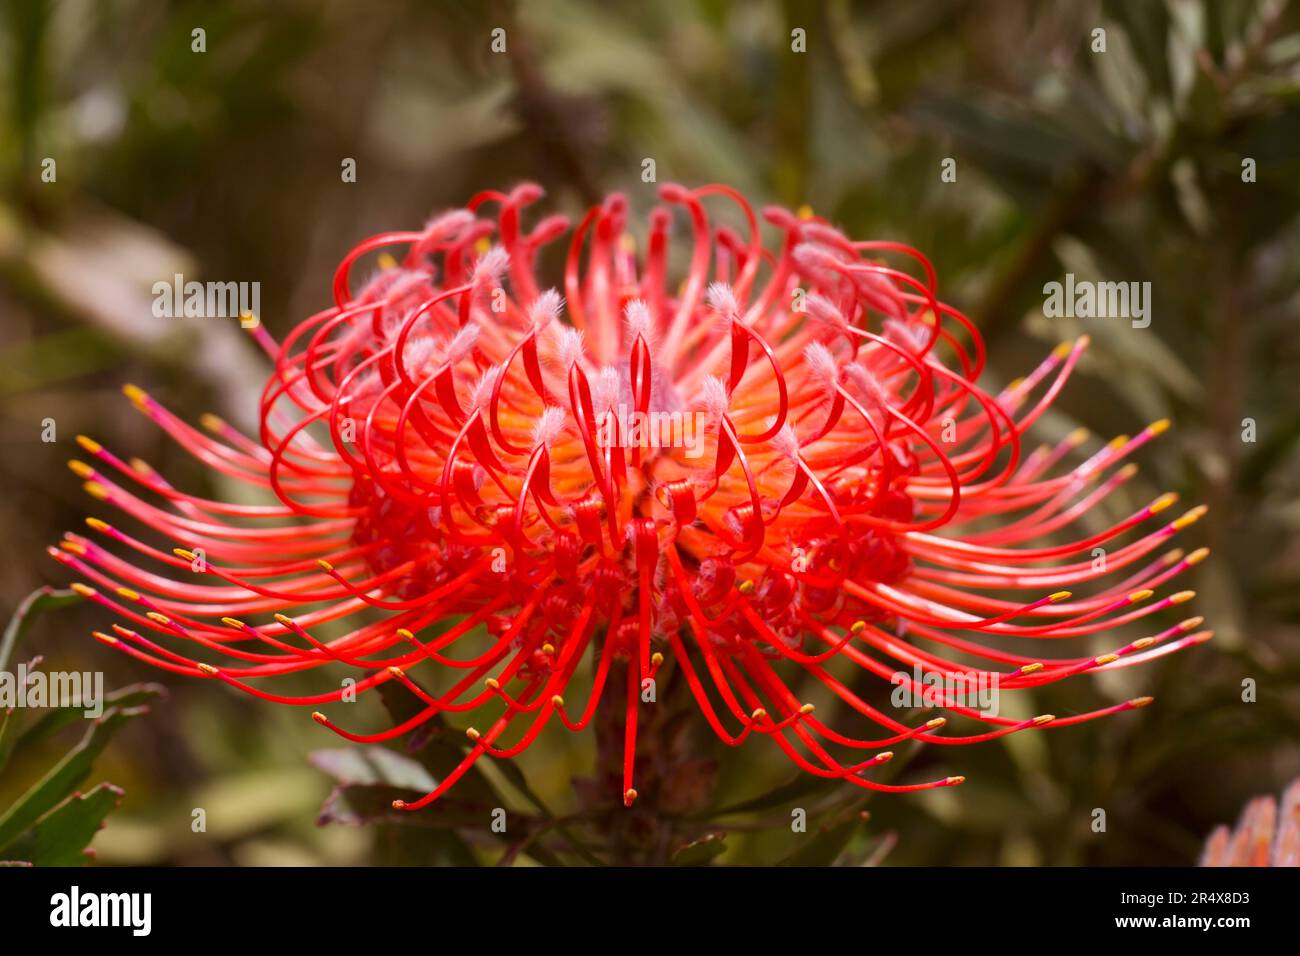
point(437, 747)
point(783, 794)
point(702, 851)
point(60, 837)
point(824, 846)
point(373, 766)
point(47, 792)
point(56, 719)
point(42, 599)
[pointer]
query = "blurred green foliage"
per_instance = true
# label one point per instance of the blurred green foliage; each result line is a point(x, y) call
point(1125, 165)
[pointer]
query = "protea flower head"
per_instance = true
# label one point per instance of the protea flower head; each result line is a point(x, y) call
point(815, 484)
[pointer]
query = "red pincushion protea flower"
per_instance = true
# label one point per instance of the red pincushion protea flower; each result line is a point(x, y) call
point(442, 436)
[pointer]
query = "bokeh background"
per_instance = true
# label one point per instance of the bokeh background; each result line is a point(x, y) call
point(1125, 165)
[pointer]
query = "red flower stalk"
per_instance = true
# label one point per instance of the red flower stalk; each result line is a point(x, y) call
point(441, 437)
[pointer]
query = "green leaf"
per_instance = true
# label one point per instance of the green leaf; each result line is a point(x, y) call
point(356, 805)
point(401, 837)
point(701, 852)
point(56, 719)
point(803, 784)
point(62, 835)
point(440, 749)
point(437, 747)
point(64, 776)
point(824, 846)
point(42, 599)
point(373, 765)
point(359, 804)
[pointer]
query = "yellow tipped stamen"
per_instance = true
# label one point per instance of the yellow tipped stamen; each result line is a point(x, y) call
point(89, 444)
point(404, 634)
point(557, 701)
point(1163, 502)
point(1084, 341)
point(104, 638)
point(1118, 442)
point(955, 781)
point(758, 714)
point(492, 683)
point(320, 718)
point(804, 212)
point(473, 734)
point(73, 547)
point(1062, 350)
point(1044, 719)
point(656, 659)
point(285, 620)
point(1191, 623)
point(211, 422)
point(1140, 701)
point(1015, 384)
point(96, 525)
point(1140, 595)
point(548, 649)
point(183, 554)
point(1127, 472)
point(84, 590)
point(746, 587)
point(396, 671)
point(141, 466)
point(483, 245)
point(1173, 557)
point(858, 627)
point(135, 393)
point(884, 756)
point(1105, 659)
point(158, 618)
point(936, 723)
point(1031, 668)
point(629, 797)
point(807, 709)
point(1158, 428)
point(1182, 597)
point(324, 565)
point(399, 804)
point(128, 594)
point(1078, 437)
point(1059, 596)
point(207, 669)
point(96, 490)
point(1143, 643)
point(1190, 518)
point(234, 622)
point(1197, 556)
point(81, 469)
point(386, 260)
